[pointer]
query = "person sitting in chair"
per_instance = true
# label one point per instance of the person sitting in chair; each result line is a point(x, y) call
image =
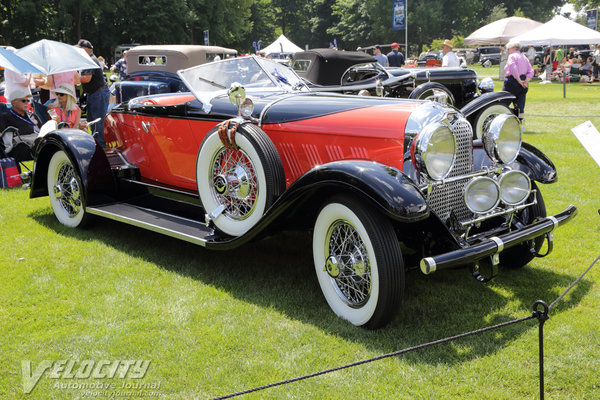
point(65, 110)
point(27, 125)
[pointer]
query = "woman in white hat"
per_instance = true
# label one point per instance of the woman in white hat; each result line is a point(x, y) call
point(65, 106)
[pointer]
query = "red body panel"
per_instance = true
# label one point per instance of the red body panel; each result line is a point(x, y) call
point(165, 149)
point(365, 134)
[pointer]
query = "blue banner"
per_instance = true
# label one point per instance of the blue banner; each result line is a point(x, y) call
point(399, 19)
point(592, 19)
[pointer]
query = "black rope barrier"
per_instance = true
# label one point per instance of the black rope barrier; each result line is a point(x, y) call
point(541, 315)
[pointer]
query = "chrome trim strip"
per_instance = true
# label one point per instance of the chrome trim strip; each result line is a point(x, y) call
point(443, 182)
point(497, 214)
point(499, 243)
point(149, 226)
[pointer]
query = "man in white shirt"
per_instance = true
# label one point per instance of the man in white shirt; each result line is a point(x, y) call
point(450, 59)
point(531, 55)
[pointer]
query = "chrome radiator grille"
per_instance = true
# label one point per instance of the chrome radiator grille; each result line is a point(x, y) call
point(450, 197)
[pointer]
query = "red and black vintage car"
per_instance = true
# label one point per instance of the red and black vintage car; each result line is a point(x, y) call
point(385, 184)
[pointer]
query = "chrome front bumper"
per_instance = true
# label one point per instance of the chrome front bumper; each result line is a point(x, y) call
point(496, 244)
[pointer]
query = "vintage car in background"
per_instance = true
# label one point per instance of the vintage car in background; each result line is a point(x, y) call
point(385, 185)
point(354, 72)
point(153, 69)
point(430, 58)
point(489, 53)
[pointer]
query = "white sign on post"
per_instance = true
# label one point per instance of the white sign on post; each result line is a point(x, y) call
point(589, 137)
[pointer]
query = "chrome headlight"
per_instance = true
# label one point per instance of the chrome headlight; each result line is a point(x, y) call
point(482, 194)
point(515, 187)
point(486, 85)
point(247, 108)
point(434, 151)
point(502, 141)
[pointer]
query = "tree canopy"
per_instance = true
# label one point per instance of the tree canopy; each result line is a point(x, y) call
point(237, 23)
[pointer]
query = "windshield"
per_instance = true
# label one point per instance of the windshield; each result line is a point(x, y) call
point(207, 81)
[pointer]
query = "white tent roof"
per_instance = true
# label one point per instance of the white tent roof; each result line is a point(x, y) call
point(501, 31)
point(559, 31)
point(281, 45)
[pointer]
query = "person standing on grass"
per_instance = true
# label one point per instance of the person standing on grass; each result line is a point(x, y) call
point(395, 57)
point(548, 63)
point(449, 59)
point(94, 86)
point(381, 58)
point(531, 55)
point(596, 64)
point(518, 72)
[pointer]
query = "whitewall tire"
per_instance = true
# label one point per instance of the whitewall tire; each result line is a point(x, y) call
point(358, 262)
point(236, 187)
point(66, 191)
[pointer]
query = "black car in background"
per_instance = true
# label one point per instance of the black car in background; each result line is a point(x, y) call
point(355, 72)
point(491, 53)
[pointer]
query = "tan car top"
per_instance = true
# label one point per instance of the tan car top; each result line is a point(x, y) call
point(171, 58)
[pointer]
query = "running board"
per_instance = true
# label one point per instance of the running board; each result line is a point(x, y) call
point(167, 224)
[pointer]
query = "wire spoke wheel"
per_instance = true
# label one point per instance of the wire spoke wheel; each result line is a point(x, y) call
point(65, 191)
point(235, 184)
point(352, 279)
point(358, 262)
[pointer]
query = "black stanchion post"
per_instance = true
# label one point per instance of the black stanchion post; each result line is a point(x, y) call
point(542, 316)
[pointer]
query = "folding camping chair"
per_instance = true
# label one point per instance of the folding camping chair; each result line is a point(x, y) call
point(14, 146)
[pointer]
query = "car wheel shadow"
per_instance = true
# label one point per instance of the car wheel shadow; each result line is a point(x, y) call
point(277, 272)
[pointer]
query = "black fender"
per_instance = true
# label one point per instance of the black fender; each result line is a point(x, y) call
point(86, 155)
point(484, 100)
point(430, 85)
point(536, 164)
point(530, 160)
point(387, 188)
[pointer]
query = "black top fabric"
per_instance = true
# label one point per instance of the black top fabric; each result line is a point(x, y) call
point(327, 65)
point(98, 78)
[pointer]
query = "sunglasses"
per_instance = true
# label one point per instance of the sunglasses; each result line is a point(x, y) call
point(60, 94)
point(25, 100)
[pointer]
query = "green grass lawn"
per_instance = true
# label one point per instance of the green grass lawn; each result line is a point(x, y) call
point(213, 323)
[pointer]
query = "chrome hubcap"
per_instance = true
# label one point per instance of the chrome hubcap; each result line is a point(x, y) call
point(235, 185)
point(348, 264)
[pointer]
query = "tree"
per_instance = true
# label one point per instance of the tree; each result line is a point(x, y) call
point(322, 18)
point(354, 25)
point(585, 4)
point(498, 13)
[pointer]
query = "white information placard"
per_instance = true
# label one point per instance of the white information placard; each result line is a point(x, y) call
point(589, 137)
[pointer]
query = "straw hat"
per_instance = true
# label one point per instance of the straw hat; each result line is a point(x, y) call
point(66, 88)
point(448, 43)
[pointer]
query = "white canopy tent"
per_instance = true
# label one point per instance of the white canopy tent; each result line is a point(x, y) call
point(281, 45)
point(559, 31)
point(501, 31)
